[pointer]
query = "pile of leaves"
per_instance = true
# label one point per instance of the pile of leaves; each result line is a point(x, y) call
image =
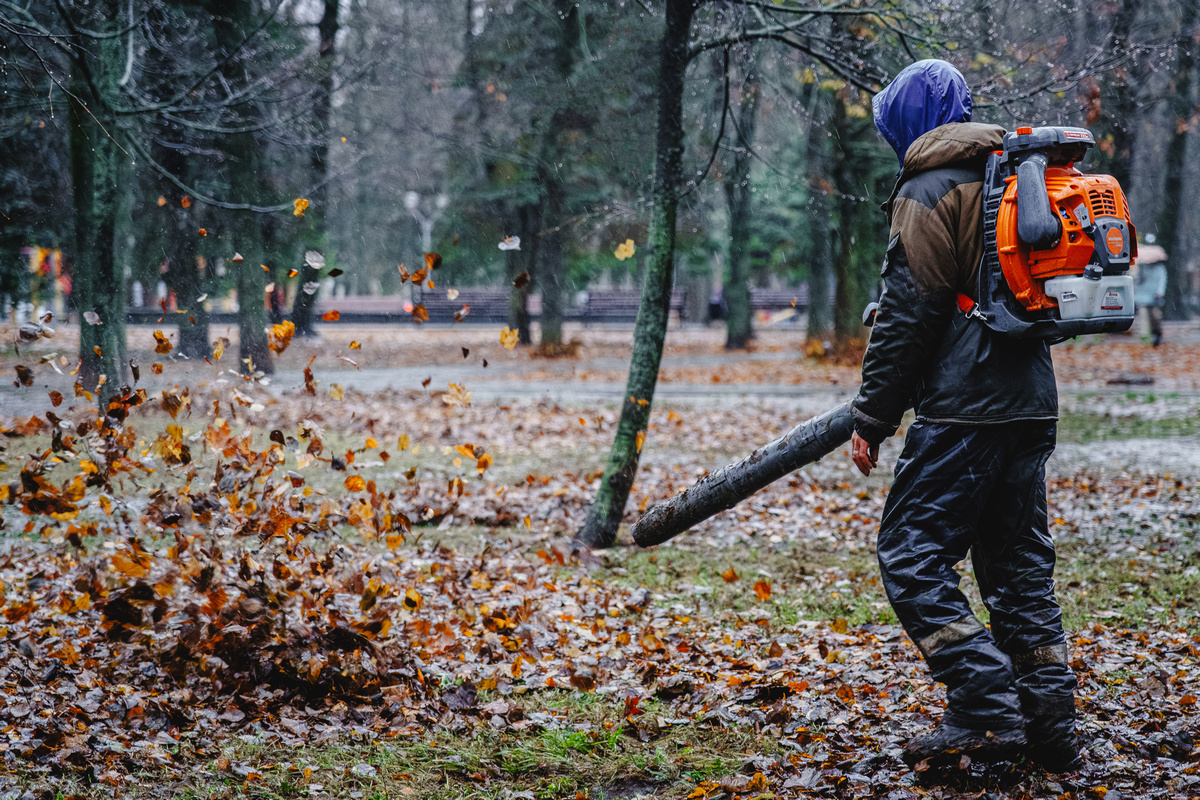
point(215, 563)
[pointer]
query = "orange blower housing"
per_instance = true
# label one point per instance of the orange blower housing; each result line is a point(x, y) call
point(1058, 243)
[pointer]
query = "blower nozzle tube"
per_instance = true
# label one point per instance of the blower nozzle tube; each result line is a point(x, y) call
point(728, 486)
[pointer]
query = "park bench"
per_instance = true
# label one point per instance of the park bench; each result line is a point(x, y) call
point(619, 306)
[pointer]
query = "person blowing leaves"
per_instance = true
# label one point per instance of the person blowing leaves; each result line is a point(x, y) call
point(971, 477)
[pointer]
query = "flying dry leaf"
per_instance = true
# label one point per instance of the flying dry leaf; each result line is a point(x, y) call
point(186, 202)
point(420, 313)
point(314, 259)
point(334, 273)
point(432, 261)
point(237, 258)
point(96, 349)
point(331, 316)
point(293, 272)
point(457, 395)
point(24, 375)
point(641, 440)
point(56, 398)
point(162, 345)
point(354, 345)
point(729, 575)
point(510, 243)
point(483, 462)
point(337, 391)
point(509, 338)
point(522, 279)
point(625, 250)
point(298, 206)
point(280, 336)
point(412, 599)
point(219, 348)
point(355, 483)
point(203, 232)
point(462, 312)
point(452, 294)
point(763, 590)
point(162, 201)
point(91, 318)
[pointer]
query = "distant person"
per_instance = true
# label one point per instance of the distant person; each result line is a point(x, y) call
point(1150, 294)
point(715, 309)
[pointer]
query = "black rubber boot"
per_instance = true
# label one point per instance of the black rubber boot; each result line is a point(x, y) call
point(948, 744)
point(1050, 730)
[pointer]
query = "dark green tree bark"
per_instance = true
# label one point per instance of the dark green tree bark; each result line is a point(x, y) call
point(650, 330)
point(522, 267)
point(739, 321)
point(551, 175)
point(859, 223)
point(244, 169)
point(318, 211)
point(184, 275)
point(98, 165)
point(1180, 114)
point(552, 250)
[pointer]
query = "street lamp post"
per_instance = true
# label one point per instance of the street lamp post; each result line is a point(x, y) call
point(412, 201)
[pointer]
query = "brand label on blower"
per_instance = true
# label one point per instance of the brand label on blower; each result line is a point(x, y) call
point(1112, 301)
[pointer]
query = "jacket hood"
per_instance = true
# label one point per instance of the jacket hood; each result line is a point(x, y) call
point(924, 96)
point(949, 144)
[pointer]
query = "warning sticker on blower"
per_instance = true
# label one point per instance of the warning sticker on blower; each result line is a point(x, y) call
point(1112, 301)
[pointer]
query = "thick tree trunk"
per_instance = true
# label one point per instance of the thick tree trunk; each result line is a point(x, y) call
point(96, 172)
point(551, 180)
point(254, 353)
point(317, 213)
point(851, 176)
point(1179, 118)
point(650, 330)
point(739, 322)
point(184, 276)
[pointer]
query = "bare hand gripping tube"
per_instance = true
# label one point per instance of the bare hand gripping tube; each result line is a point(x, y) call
point(728, 486)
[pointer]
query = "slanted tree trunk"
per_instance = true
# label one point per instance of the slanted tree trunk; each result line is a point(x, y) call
point(739, 322)
point(1179, 118)
point(96, 174)
point(650, 330)
point(317, 213)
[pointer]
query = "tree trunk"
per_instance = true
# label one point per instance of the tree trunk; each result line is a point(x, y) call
point(851, 175)
point(650, 330)
point(523, 262)
point(1179, 118)
point(315, 216)
point(96, 168)
point(552, 250)
point(254, 352)
point(550, 178)
point(739, 321)
point(183, 271)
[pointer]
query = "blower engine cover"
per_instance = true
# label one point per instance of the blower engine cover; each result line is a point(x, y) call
point(1058, 244)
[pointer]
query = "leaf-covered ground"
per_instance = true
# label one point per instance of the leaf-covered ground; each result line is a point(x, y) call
point(224, 589)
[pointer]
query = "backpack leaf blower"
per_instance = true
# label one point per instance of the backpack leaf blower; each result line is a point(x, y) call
point(1058, 245)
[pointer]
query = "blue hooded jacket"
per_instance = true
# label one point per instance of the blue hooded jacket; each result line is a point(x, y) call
point(923, 96)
